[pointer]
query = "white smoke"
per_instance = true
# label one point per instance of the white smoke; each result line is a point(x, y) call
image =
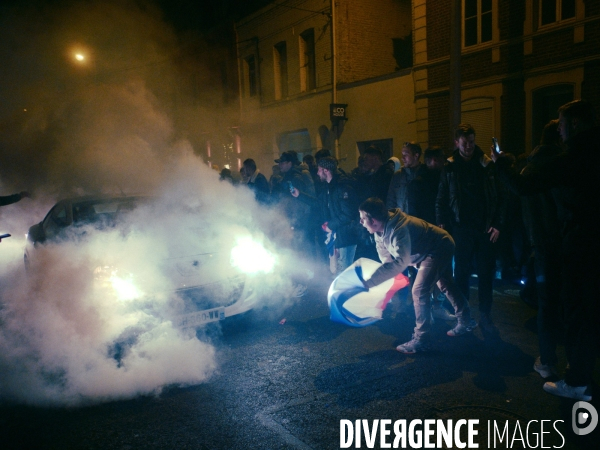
point(63, 340)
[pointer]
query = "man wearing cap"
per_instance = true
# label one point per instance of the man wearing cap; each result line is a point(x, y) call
point(339, 205)
point(297, 212)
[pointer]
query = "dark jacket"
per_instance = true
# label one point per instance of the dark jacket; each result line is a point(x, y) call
point(260, 186)
point(575, 174)
point(297, 212)
point(448, 202)
point(422, 194)
point(397, 196)
point(339, 205)
point(540, 212)
point(405, 241)
point(378, 183)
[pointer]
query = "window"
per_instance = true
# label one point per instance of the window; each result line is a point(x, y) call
point(403, 51)
point(552, 11)
point(477, 20)
point(55, 221)
point(298, 141)
point(250, 84)
point(280, 68)
point(307, 61)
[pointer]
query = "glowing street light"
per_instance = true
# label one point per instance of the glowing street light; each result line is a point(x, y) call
point(79, 57)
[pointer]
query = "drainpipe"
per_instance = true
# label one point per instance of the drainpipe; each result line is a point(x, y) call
point(334, 77)
point(455, 55)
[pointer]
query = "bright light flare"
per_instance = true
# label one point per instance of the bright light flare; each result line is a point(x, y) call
point(123, 286)
point(251, 257)
point(79, 57)
point(124, 289)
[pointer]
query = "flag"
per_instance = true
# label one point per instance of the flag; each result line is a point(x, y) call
point(350, 303)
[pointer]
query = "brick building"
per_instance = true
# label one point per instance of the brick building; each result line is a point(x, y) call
point(521, 59)
point(285, 59)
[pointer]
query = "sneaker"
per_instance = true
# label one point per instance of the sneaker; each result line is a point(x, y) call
point(442, 313)
point(462, 328)
point(562, 389)
point(413, 346)
point(545, 370)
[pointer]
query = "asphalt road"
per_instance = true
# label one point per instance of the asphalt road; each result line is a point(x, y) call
point(288, 386)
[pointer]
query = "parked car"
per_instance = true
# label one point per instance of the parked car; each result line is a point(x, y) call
point(208, 287)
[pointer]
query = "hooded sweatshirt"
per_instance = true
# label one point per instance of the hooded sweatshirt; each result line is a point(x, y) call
point(406, 241)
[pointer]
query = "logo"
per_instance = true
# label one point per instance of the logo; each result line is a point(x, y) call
point(584, 418)
point(338, 112)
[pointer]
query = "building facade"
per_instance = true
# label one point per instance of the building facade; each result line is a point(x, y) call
point(521, 60)
point(286, 54)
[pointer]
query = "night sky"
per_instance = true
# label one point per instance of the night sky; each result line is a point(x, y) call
point(201, 15)
point(141, 71)
point(184, 15)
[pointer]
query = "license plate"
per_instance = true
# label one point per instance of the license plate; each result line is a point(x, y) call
point(201, 317)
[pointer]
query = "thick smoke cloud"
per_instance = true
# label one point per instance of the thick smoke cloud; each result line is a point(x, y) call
point(69, 130)
point(64, 340)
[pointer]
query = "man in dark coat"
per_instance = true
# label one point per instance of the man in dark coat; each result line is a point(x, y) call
point(471, 205)
point(575, 174)
point(422, 192)
point(397, 196)
point(298, 213)
point(339, 205)
point(379, 174)
point(542, 224)
point(256, 181)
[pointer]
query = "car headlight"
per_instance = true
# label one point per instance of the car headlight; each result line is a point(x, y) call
point(122, 284)
point(125, 288)
point(251, 257)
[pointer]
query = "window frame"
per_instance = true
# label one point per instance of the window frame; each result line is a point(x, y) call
point(308, 70)
point(494, 18)
point(280, 70)
point(558, 11)
point(251, 76)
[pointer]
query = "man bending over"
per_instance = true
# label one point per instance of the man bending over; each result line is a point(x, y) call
point(403, 240)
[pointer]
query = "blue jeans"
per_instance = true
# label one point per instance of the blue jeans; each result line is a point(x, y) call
point(345, 258)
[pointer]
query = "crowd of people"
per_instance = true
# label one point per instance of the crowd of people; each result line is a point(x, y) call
point(440, 219)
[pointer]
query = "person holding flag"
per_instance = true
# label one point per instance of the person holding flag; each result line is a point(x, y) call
point(403, 240)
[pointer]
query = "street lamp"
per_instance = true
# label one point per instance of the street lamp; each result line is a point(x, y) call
point(84, 58)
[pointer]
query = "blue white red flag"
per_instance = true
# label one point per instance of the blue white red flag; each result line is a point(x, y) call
point(349, 301)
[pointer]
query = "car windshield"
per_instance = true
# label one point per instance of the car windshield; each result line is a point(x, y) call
point(104, 212)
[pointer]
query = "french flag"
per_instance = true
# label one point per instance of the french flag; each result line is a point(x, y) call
point(351, 305)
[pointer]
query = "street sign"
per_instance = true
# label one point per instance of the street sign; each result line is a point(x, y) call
point(337, 111)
